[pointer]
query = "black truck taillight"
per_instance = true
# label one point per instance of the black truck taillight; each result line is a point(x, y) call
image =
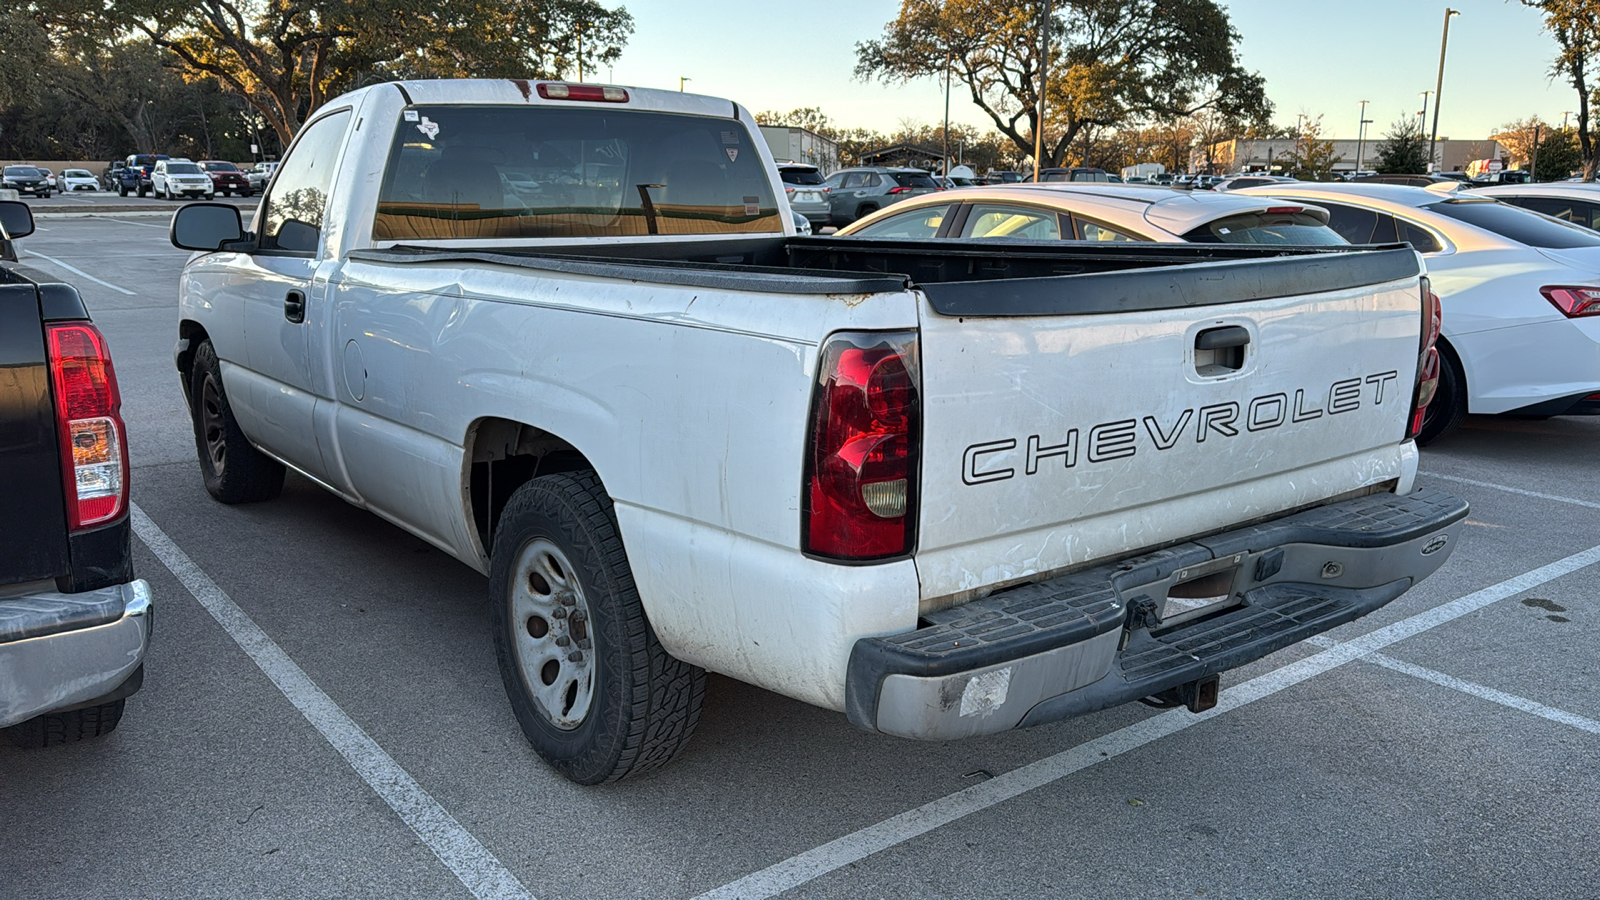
point(1427, 359)
point(863, 450)
point(94, 443)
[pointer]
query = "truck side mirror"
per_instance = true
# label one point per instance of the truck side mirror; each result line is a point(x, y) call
point(206, 226)
point(16, 219)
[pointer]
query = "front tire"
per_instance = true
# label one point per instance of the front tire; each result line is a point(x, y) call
point(1449, 404)
point(234, 471)
point(595, 693)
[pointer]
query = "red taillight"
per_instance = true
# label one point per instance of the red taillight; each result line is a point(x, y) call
point(900, 190)
point(861, 465)
point(789, 191)
point(94, 444)
point(555, 90)
point(1285, 210)
point(1574, 302)
point(1428, 359)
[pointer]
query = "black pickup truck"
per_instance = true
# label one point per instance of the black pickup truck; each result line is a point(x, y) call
point(74, 622)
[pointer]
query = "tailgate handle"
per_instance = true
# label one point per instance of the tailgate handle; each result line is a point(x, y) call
point(1222, 338)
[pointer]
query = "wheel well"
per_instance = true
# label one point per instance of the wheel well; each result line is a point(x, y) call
point(1445, 349)
point(502, 456)
point(195, 334)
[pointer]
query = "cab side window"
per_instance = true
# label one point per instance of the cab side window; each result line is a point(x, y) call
point(1360, 226)
point(292, 220)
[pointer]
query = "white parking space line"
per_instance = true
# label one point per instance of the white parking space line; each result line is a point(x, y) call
point(123, 221)
point(478, 869)
point(858, 845)
point(82, 274)
point(1487, 693)
point(1513, 490)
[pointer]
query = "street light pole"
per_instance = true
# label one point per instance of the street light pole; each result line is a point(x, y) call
point(1361, 133)
point(1044, 82)
point(1533, 168)
point(681, 80)
point(1438, 88)
point(1422, 123)
point(946, 171)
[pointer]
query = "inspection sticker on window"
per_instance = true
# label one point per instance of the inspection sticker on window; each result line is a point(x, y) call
point(752, 206)
point(410, 115)
point(729, 137)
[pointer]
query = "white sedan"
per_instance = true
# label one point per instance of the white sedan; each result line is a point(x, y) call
point(77, 180)
point(1520, 291)
point(1577, 202)
point(1088, 211)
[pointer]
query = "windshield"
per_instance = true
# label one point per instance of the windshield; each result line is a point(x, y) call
point(22, 171)
point(553, 172)
point(1300, 228)
point(219, 167)
point(183, 169)
point(805, 175)
point(1520, 225)
point(77, 173)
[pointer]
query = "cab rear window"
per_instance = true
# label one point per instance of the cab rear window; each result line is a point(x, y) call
point(558, 172)
point(914, 180)
point(1299, 228)
point(805, 175)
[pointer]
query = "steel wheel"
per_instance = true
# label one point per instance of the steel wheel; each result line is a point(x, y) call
point(552, 644)
point(211, 426)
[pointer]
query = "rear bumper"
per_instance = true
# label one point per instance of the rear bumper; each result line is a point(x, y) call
point(61, 650)
point(1091, 640)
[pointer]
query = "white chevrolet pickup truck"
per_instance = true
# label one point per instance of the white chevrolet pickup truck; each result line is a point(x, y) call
point(566, 334)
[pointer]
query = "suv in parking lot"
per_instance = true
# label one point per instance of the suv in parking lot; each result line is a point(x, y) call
point(807, 195)
point(134, 177)
point(853, 193)
point(174, 178)
point(225, 177)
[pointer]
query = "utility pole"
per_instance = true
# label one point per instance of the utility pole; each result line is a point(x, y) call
point(1438, 88)
point(946, 162)
point(1044, 82)
point(681, 80)
point(1361, 133)
point(1564, 114)
point(1422, 123)
point(1533, 168)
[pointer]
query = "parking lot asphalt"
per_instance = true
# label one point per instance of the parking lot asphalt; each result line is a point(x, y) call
point(323, 717)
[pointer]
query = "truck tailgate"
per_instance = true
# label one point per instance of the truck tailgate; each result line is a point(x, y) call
point(33, 518)
point(1077, 418)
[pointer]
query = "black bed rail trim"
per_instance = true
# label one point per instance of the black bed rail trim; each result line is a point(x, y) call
point(1173, 287)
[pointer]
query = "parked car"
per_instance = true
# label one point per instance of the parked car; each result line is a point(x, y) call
point(802, 225)
point(1090, 212)
point(1003, 176)
point(172, 179)
point(807, 194)
point(1504, 176)
point(1576, 203)
point(945, 489)
point(1251, 179)
point(50, 178)
point(853, 193)
point(1074, 173)
point(1520, 290)
point(74, 622)
point(226, 179)
point(111, 175)
point(259, 174)
point(78, 180)
point(25, 180)
point(1409, 180)
point(134, 177)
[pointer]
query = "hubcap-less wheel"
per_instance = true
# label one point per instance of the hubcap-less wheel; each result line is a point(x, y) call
point(212, 425)
point(552, 642)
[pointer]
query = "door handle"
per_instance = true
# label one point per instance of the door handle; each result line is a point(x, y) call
point(1222, 338)
point(294, 307)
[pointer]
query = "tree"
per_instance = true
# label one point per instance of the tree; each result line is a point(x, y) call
point(1575, 24)
point(1111, 62)
point(287, 57)
point(1312, 158)
point(1559, 155)
point(1404, 150)
point(810, 118)
point(1518, 138)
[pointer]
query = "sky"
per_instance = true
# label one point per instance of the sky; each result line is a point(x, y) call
point(1318, 59)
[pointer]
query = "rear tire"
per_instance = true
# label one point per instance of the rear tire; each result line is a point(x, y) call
point(1449, 404)
point(54, 729)
point(234, 471)
point(595, 693)
point(865, 210)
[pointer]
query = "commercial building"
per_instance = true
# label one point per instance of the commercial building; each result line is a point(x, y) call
point(1267, 155)
point(800, 145)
